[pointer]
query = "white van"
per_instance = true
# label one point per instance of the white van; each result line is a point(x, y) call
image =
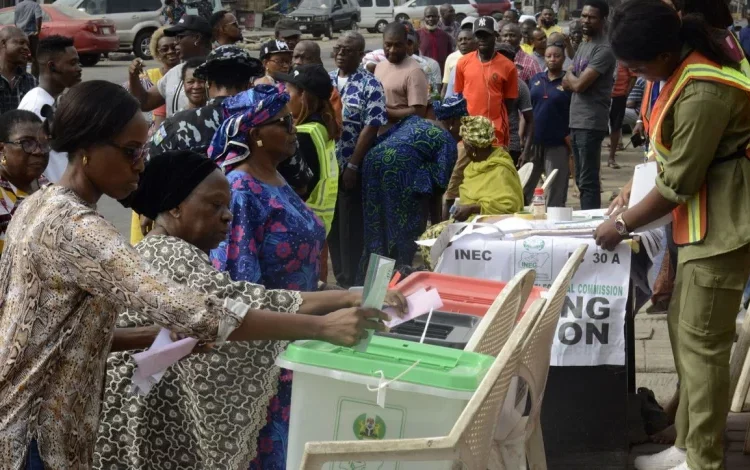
point(414, 9)
point(376, 14)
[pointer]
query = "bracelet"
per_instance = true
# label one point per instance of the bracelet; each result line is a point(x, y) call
point(640, 121)
point(352, 166)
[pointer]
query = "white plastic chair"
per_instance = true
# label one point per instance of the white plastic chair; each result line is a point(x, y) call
point(524, 173)
point(739, 373)
point(535, 361)
point(469, 441)
point(495, 327)
point(548, 181)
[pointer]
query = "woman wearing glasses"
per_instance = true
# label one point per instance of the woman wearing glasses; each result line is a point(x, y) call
point(24, 154)
point(277, 58)
point(275, 239)
point(66, 273)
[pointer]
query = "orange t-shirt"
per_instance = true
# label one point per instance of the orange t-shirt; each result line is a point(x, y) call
point(622, 81)
point(338, 109)
point(485, 87)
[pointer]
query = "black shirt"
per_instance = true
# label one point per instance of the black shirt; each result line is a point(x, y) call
point(11, 94)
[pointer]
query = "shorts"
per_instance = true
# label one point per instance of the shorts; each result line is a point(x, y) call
point(617, 112)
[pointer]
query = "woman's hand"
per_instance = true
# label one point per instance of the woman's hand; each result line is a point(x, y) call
point(622, 200)
point(347, 327)
point(393, 299)
point(396, 301)
point(136, 68)
point(463, 212)
point(606, 236)
point(201, 347)
point(350, 178)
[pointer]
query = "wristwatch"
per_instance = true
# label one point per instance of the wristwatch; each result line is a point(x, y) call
point(620, 226)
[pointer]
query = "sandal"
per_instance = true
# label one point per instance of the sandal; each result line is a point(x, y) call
point(613, 164)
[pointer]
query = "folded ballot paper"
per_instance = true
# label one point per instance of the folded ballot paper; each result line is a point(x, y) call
point(420, 303)
point(153, 362)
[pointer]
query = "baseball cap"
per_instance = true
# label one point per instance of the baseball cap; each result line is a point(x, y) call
point(309, 77)
point(468, 22)
point(191, 23)
point(486, 24)
point(287, 27)
point(273, 47)
point(228, 55)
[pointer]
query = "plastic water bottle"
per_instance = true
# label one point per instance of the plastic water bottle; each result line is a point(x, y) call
point(539, 204)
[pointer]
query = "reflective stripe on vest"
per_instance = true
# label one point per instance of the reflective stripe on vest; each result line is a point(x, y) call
point(322, 199)
point(690, 220)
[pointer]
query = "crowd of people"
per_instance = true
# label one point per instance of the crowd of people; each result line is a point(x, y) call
point(246, 174)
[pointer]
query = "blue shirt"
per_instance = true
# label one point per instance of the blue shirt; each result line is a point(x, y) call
point(276, 240)
point(745, 39)
point(363, 103)
point(551, 105)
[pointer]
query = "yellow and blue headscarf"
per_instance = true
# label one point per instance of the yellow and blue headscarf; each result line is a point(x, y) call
point(477, 131)
point(243, 112)
point(450, 108)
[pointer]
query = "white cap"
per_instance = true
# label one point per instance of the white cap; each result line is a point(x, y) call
point(468, 20)
point(526, 17)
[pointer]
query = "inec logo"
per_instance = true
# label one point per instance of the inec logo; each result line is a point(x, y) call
point(533, 244)
point(369, 428)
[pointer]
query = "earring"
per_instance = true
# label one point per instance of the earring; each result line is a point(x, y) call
point(85, 160)
point(4, 161)
point(259, 143)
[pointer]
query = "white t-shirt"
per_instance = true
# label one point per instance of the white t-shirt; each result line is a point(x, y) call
point(170, 87)
point(58, 161)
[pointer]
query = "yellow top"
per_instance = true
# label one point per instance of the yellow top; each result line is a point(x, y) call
point(551, 30)
point(493, 184)
point(527, 48)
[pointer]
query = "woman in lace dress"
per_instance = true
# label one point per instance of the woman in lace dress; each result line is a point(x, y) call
point(207, 409)
point(65, 273)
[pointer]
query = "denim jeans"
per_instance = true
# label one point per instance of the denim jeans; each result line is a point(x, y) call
point(587, 149)
point(33, 459)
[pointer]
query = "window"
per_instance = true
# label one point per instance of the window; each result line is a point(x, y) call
point(144, 5)
point(382, 3)
point(7, 17)
point(365, 3)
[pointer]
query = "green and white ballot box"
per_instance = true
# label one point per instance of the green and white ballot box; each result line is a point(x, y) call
point(340, 394)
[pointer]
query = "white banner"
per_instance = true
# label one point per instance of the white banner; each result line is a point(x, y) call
point(591, 327)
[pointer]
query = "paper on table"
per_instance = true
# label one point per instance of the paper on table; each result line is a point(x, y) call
point(152, 363)
point(644, 180)
point(420, 302)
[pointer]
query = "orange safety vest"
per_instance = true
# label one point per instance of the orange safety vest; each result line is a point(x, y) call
point(689, 220)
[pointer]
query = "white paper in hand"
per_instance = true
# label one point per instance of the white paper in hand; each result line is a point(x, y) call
point(152, 363)
point(644, 180)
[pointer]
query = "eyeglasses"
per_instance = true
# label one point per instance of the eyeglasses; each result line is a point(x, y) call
point(345, 51)
point(30, 145)
point(135, 155)
point(281, 62)
point(287, 120)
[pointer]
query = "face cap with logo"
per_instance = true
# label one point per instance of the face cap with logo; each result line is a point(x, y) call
point(485, 24)
point(273, 47)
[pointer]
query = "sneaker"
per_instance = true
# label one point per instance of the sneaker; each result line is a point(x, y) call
point(669, 459)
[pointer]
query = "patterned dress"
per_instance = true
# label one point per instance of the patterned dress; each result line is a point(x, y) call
point(10, 198)
point(410, 162)
point(275, 241)
point(64, 275)
point(207, 410)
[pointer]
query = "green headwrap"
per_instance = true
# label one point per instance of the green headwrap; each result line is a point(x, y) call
point(477, 131)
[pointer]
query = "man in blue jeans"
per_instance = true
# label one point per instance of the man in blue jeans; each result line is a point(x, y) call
point(591, 82)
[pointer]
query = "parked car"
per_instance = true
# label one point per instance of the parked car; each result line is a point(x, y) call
point(494, 8)
point(324, 17)
point(414, 9)
point(136, 20)
point(376, 14)
point(92, 36)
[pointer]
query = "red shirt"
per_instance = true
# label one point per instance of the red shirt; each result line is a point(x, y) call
point(436, 45)
point(622, 81)
point(528, 66)
point(485, 87)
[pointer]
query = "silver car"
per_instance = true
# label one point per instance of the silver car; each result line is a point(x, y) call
point(135, 20)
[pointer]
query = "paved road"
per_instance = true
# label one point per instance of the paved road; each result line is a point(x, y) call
point(116, 71)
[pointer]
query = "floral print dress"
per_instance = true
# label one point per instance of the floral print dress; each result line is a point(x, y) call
point(276, 241)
